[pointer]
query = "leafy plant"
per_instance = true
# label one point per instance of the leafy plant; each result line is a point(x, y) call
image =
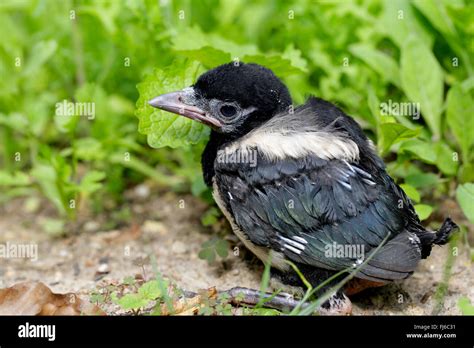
point(213, 248)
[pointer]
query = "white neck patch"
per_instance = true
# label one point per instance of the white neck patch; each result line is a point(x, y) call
point(275, 145)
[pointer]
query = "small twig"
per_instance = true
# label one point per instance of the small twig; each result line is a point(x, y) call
point(244, 296)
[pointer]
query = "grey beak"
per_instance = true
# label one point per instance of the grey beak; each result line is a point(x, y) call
point(174, 102)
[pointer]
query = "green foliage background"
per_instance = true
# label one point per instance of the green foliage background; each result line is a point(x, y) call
point(119, 54)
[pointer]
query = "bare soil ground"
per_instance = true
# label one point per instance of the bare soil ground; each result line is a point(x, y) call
point(90, 256)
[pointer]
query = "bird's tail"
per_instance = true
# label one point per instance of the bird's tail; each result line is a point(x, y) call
point(446, 229)
point(439, 237)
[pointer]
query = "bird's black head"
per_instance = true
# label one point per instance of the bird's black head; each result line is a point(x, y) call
point(232, 99)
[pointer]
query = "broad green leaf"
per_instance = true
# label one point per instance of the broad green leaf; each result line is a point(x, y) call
point(421, 149)
point(209, 56)
point(459, 115)
point(465, 197)
point(212, 50)
point(446, 159)
point(422, 81)
point(380, 62)
point(424, 211)
point(463, 16)
point(421, 180)
point(40, 53)
point(132, 301)
point(150, 290)
point(466, 172)
point(391, 133)
point(399, 20)
point(14, 179)
point(164, 128)
point(411, 192)
point(436, 12)
point(192, 38)
point(279, 65)
point(294, 56)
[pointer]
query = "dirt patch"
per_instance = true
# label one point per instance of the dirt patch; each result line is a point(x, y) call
point(168, 227)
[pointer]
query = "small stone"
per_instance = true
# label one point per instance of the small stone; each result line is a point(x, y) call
point(235, 272)
point(103, 268)
point(91, 226)
point(142, 191)
point(178, 247)
point(154, 227)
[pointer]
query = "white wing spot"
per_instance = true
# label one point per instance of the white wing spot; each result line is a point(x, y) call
point(300, 239)
point(289, 247)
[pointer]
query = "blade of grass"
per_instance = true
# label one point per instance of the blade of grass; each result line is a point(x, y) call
point(313, 306)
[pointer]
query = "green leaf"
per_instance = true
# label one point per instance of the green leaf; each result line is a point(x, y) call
point(132, 301)
point(421, 180)
point(423, 211)
point(422, 81)
point(213, 246)
point(46, 177)
point(465, 306)
point(465, 197)
point(466, 173)
point(411, 192)
point(295, 57)
point(16, 121)
point(207, 254)
point(222, 248)
point(210, 217)
point(419, 148)
point(399, 20)
point(391, 133)
point(275, 62)
point(209, 56)
point(436, 12)
point(150, 290)
point(212, 50)
point(14, 179)
point(446, 159)
point(380, 62)
point(459, 115)
point(164, 128)
point(40, 53)
point(91, 181)
point(192, 38)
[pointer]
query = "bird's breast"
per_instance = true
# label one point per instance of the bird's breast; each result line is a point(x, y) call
point(263, 253)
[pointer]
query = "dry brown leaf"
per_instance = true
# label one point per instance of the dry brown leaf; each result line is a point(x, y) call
point(190, 306)
point(35, 298)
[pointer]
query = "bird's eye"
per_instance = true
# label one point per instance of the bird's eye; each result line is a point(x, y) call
point(228, 110)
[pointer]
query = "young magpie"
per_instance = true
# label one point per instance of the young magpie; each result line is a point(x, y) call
point(315, 184)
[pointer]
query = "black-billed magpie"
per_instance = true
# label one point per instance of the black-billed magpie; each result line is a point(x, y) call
point(303, 185)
